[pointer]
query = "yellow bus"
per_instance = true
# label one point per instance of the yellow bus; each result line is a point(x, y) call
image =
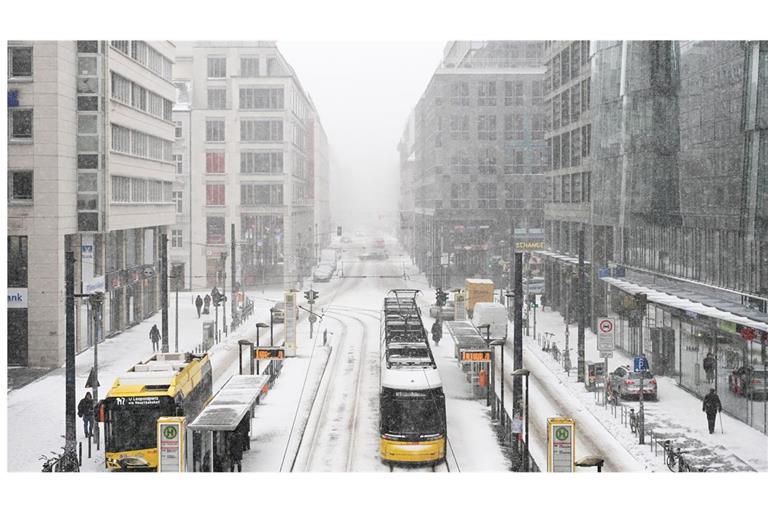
point(172, 384)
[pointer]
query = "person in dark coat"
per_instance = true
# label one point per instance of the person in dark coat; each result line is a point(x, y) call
point(235, 451)
point(154, 335)
point(85, 411)
point(199, 305)
point(207, 302)
point(709, 367)
point(711, 406)
point(437, 331)
point(543, 302)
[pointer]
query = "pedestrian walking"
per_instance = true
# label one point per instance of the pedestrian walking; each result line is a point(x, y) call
point(85, 411)
point(711, 406)
point(543, 302)
point(199, 305)
point(437, 331)
point(235, 451)
point(207, 305)
point(709, 364)
point(154, 335)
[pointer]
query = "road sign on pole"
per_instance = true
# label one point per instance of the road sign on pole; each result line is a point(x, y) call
point(605, 335)
point(640, 364)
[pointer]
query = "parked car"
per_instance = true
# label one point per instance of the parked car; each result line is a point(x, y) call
point(322, 273)
point(624, 382)
point(747, 380)
point(446, 312)
point(278, 312)
point(374, 255)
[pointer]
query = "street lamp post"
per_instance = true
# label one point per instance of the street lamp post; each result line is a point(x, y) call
point(271, 327)
point(258, 331)
point(487, 328)
point(524, 372)
point(241, 344)
point(501, 343)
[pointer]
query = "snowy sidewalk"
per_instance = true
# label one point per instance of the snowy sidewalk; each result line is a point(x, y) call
point(676, 416)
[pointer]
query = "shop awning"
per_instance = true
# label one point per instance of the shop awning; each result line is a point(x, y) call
point(685, 304)
point(561, 257)
point(228, 407)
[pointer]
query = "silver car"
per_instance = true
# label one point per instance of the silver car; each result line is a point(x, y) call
point(625, 382)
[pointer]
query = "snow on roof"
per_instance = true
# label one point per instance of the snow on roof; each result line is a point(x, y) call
point(411, 378)
point(479, 281)
point(685, 304)
point(229, 405)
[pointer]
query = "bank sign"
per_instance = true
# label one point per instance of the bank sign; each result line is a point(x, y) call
point(17, 298)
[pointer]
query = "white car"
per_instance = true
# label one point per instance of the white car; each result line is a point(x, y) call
point(322, 273)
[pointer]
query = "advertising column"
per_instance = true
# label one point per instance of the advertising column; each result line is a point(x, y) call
point(290, 324)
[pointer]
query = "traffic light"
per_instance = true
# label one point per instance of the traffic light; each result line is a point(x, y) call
point(311, 296)
point(338, 230)
point(441, 297)
point(307, 296)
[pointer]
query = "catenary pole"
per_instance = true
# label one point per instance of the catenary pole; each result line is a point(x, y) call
point(70, 433)
point(233, 268)
point(164, 289)
point(580, 305)
point(517, 353)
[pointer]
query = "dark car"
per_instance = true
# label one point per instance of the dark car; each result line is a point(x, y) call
point(747, 381)
point(624, 382)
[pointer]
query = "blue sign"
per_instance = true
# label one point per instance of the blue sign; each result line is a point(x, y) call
point(603, 272)
point(641, 364)
point(618, 271)
point(13, 98)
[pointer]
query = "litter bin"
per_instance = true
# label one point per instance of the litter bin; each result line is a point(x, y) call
point(209, 334)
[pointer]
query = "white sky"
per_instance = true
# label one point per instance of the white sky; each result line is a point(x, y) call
point(364, 92)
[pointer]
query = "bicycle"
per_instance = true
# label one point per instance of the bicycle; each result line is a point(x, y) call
point(51, 464)
point(555, 352)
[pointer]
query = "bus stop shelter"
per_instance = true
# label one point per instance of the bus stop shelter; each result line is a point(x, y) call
point(470, 350)
point(230, 409)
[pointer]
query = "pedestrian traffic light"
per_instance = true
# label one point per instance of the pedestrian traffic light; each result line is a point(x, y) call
point(338, 230)
point(441, 297)
point(307, 295)
point(315, 294)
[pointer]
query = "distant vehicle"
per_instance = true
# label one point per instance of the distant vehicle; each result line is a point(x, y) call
point(278, 315)
point(346, 240)
point(446, 312)
point(328, 257)
point(625, 382)
point(533, 285)
point(322, 273)
point(747, 381)
point(477, 290)
point(374, 255)
point(493, 314)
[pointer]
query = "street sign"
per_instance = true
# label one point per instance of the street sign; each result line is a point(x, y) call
point(475, 355)
point(747, 333)
point(640, 364)
point(270, 353)
point(170, 444)
point(561, 445)
point(605, 355)
point(605, 334)
point(92, 380)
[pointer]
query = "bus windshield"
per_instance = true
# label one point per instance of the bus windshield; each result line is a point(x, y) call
point(413, 416)
point(134, 427)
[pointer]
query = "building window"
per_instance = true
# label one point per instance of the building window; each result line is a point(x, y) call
point(486, 127)
point(486, 161)
point(261, 98)
point(121, 89)
point(555, 152)
point(585, 86)
point(575, 58)
point(20, 62)
point(514, 127)
point(565, 152)
point(460, 195)
point(459, 163)
point(459, 127)
point(217, 67)
point(514, 93)
point(214, 194)
point(486, 195)
point(460, 93)
point(259, 195)
point(121, 189)
point(139, 97)
point(556, 112)
point(513, 196)
point(576, 102)
point(576, 147)
point(537, 92)
point(179, 130)
point(215, 230)
point(178, 199)
point(214, 162)
point(217, 98)
point(486, 93)
point(585, 184)
point(178, 160)
point(121, 46)
point(565, 108)
point(537, 127)
point(252, 162)
point(20, 121)
point(177, 240)
point(555, 72)
point(514, 163)
point(17, 261)
point(121, 139)
point(566, 188)
point(586, 140)
point(20, 184)
point(214, 130)
point(565, 64)
point(249, 67)
point(252, 130)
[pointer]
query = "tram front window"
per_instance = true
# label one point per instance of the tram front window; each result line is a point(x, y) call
point(419, 416)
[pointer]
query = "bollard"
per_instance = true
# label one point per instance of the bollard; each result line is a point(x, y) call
point(98, 440)
point(80, 453)
point(89, 447)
